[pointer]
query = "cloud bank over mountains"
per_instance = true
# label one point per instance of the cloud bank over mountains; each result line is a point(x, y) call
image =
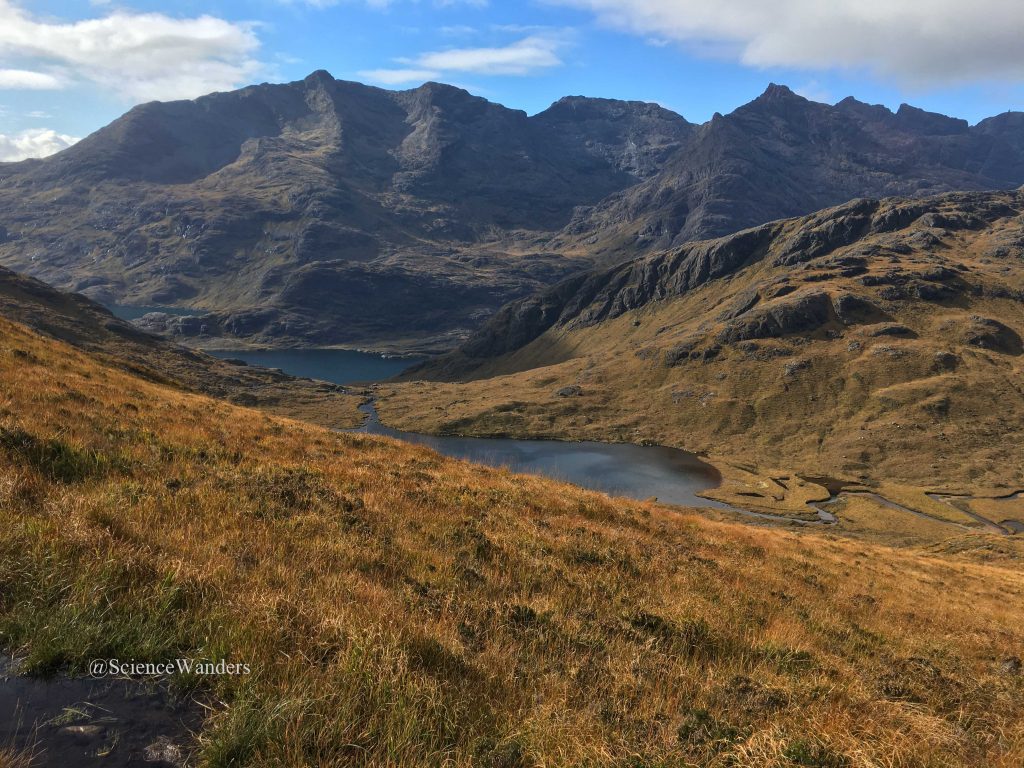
point(35, 142)
point(917, 42)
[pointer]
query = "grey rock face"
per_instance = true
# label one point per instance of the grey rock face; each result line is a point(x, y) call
point(324, 211)
point(803, 314)
point(782, 155)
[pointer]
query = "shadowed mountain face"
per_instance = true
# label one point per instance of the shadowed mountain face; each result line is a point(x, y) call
point(285, 209)
point(329, 212)
point(782, 155)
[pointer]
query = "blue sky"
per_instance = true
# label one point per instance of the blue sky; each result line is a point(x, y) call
point(69, 67)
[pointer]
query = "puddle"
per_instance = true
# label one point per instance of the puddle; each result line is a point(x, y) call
point(79, 722)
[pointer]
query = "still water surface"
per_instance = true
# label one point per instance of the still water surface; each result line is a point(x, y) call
point(634, 471)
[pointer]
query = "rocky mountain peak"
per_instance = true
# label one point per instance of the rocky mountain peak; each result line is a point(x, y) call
point(930, 123)
point(581, 108)
point(320, 76)
point(863, 110)
point(777, 92)
point(778, 100)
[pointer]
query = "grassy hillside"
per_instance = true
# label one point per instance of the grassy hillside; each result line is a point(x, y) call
point(401, 609)
point(876, 342)
point(86, 325)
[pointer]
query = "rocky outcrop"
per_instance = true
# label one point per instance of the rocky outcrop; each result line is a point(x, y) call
point(986, 333)
point(861, 252)
point(799, 314)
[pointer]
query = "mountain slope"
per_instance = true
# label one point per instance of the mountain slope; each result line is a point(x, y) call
point(85, 325)
point(398, 608)
point(279, 208)
point(782, 155)
point(876, 341)
point(324, 212)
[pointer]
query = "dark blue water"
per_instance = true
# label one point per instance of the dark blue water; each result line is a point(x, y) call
point(341, 366)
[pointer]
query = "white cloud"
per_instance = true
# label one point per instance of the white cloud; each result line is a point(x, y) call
point(523, 57)
point(140, 56)
point(27, 80)
point(519, 58)
point(919, 42)
point(458, 30)
point(35, 142)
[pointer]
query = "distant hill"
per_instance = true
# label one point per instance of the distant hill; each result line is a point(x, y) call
point(85, 325)
point(330, 212)
point(878, 340)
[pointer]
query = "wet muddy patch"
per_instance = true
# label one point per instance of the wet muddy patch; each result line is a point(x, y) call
point(74, 722)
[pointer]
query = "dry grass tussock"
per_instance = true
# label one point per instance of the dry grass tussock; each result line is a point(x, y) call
point(402, 609)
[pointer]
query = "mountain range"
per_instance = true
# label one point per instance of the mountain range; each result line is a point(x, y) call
point(324, 212)
point(850, 367)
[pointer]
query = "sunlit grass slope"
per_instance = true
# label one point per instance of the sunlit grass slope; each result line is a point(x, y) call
point(402, 609)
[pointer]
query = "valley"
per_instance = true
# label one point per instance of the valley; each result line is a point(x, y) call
point(859, 343)
point(589, 437)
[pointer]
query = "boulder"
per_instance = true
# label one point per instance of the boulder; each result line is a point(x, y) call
point(852, 309)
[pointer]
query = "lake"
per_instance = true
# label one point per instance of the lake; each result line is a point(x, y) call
point(620, 469)
point(634, 471)
point(130, 313)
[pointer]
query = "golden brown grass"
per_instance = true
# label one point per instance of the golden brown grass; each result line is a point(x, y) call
point(89, 327)
point(13, 758)
point(402, 609)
